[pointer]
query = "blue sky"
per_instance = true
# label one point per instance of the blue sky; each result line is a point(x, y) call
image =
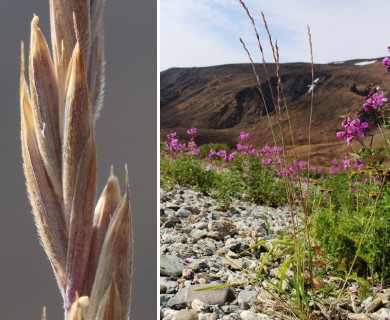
point(196, 33)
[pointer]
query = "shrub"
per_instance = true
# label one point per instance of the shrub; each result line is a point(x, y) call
point(191, 172)
point(262, 186)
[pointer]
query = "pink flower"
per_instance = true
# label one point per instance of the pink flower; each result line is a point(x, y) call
point(344, 135)
point(244, 136)
point(192, 132)
point(386, 62)
point(358, 163)
point(346, 122)
point(266, 149)
point(191, 144)
point(231, 156)
point(212, 153)
point(172, 144)
point(357, 287)
point(266, 161)
point(375, 101)
point(358, 126)
point(346, 163)
point(223, 154)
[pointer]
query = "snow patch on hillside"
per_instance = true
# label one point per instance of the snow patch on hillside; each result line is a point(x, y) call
point(311, 86)
point(364, 63)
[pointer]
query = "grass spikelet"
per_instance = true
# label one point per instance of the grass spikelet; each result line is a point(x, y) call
point(115, 263)
point(110, 305)
point(89, 248)
point(47, 209)
point(105, 208)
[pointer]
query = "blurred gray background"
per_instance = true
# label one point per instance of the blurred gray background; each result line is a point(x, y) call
point(126, 133)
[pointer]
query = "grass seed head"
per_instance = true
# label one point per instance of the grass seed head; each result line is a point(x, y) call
point(90, 249)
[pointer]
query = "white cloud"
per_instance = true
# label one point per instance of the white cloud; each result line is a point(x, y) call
point(193, 33)
point(202, 33)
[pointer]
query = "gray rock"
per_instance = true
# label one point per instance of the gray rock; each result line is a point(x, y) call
point(172, 206)
point(217, 311)
point(383, 296)
point(185, 315)
point(168, 314)
point(214, 297)
point(170, 286)
point(230, 308)
point(237, 246)
point(199, 305)
point(279, 230)
point(207, 316)
point(211, 244)
point(178, 301)
point(183, 213)
point(221, 228)
point(197, 266)
point(199, 233)
point(193, 210)
point(164, 298)
point(232, 255)
point(381, 314)
point(213, 216)
point(170, 266)
point(168, 224)
point(200, 225)
point(374, 305)
point(232, 316)
point(232, 264)
point(187, 274)
point(223, 251)
point(245, 297)
point(357, 316)
point(171, 222)
point(167, 239)
point(366, 302)
point(250, 315)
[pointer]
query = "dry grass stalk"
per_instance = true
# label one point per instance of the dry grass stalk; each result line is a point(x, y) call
point(90, 249)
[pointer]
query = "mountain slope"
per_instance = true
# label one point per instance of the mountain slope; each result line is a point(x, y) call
point(223, 100)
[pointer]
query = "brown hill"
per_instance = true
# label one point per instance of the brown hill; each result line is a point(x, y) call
point(223, 100)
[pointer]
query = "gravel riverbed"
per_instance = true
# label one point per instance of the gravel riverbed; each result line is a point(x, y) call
point(202, 246)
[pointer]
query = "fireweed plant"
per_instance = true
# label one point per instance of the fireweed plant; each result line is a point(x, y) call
point(243, 172)
point(339, 215)
point(368, 197)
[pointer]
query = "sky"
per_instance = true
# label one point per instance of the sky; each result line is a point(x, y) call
point(196, 33)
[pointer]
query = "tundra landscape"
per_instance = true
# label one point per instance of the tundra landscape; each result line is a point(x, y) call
point(223, 100)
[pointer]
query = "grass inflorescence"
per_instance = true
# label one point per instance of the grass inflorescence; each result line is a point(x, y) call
point(89, 244)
